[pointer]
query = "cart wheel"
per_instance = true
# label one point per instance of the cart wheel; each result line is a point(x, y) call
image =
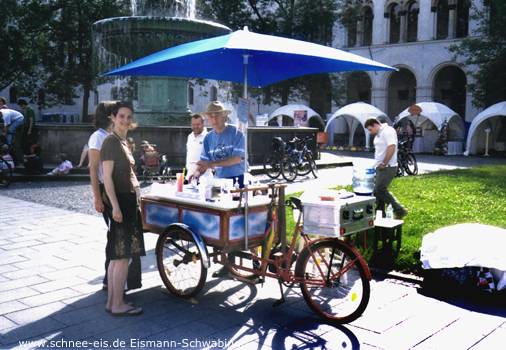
point(180, 263)
point(340, 295)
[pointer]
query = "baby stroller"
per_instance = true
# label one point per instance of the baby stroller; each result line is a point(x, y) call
point(156, 166)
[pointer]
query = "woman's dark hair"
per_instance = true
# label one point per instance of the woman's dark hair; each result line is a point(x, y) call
point(103, 114)
point(124, 104)
point(63, 157)
point(121, 104)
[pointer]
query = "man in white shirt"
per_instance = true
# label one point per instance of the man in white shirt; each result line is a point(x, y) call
point(195, 143)
point(385, 156)
point(13, 120)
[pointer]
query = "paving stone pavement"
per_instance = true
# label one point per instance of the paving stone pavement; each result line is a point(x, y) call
point(51, 270)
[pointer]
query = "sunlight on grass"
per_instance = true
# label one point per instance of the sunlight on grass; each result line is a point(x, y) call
point(436, 200)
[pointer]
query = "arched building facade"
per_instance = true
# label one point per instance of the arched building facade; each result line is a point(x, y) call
point(412, 36)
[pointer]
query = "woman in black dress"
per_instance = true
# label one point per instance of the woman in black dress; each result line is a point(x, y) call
point(125, 237)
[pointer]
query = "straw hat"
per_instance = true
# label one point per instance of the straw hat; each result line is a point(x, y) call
point(215, 107)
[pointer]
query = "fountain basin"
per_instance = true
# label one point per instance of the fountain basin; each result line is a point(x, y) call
point(162, 101)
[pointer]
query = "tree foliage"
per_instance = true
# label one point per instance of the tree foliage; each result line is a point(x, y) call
point(308, 20)
point(49, 43)
point(484, 54)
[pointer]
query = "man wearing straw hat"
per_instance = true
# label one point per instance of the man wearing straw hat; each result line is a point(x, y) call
point(223, 146)
point(224, 152)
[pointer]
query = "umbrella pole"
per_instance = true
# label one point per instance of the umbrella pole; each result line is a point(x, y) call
point(246, 207)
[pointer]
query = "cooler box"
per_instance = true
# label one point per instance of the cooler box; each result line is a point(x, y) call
point(220, 224)
point(336, 213)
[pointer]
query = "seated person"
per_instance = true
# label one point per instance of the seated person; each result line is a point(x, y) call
point(149, 158)
point(33, 161)
point(63, 168)
point(4, 149)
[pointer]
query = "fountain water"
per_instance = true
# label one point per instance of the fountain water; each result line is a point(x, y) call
point(155, 25)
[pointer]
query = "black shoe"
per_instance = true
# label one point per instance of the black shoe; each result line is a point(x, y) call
point(223, 272)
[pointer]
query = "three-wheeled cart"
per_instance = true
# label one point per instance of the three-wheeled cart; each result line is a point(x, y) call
point(333, 276)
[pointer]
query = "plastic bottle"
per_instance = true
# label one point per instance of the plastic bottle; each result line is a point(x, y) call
point(390, 212)
point(237, 195)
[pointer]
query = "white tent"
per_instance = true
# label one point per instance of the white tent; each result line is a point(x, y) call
point(430, 122)
point(355, 114)
point(289, 110)
point(483, 121)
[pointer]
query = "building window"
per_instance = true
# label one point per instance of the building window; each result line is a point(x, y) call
point(41, 97)
point(462, 24)
point(350, 22)
point(395, 24)
point(367, 20)
point(214, 93)
point(95, 97)
point(190, 95)
point(13, 95)
point(413, 22)
point(443, 18)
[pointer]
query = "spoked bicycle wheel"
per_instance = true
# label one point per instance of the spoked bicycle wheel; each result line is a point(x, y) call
point(411, 164)
point(335, 283)
point(180, 263)
point(304, 167)
point(289, 168)
point(5, 173)
point(314, 168)
point(272, 165)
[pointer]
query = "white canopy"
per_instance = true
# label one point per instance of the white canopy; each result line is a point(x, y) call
point(356, 114)
point(437, 113)
point(288, 110)
point(499, 109)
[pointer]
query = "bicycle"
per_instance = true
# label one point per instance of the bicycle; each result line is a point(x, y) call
point(272, 161)
point(298, 162)
point(406, 161)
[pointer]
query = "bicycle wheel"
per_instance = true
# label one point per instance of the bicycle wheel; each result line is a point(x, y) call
point(180, 264)
point(314, 168)
point(272, 165)
point(340, 291)
point(304, 167)
point(400, 170)
point(289, 168)
point(411, 164)
point(5, 173)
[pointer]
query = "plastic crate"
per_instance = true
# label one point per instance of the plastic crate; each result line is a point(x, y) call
point(329, 212)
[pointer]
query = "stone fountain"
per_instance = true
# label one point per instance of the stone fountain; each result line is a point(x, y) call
point(154, 26)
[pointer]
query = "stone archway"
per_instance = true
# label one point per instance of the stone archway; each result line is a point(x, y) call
point(450, 89)
point(401, 91)
point(358, 88)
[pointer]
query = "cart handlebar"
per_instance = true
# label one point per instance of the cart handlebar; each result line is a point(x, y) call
point(261, 188)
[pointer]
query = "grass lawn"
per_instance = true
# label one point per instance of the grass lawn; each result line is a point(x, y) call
point(436, 200)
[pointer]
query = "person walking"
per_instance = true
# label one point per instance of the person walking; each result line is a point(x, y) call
point(385, 156)
point(125, 237)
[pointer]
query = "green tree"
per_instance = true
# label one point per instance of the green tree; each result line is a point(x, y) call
point(484, 54)
point(60, 50)
point(23, 26)
point(308, 20)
